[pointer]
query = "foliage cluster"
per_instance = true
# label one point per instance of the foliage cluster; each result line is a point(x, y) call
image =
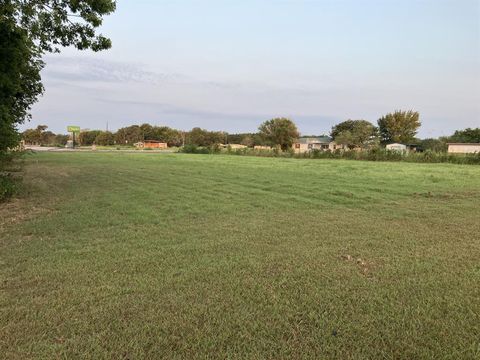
point(468, 135)
point(10, 165)
point(28, 29)
point(355, 134)
point(280, 132)
point(41, 136)
point(374, 154)
point(399, 126)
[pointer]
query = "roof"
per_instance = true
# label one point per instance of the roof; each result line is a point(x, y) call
point(315, 140)
point(403, 144)
point(474, 144)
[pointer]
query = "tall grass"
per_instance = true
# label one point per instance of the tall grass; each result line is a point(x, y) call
point(366, 155)
point(10, 166)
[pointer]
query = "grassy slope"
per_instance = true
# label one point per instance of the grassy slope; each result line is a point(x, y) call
point(144, 255)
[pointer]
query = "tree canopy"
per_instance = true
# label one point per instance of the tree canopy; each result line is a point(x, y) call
point(51, 24)
point(466, 136)
point(202, 137)
point(88, 137)
point(20, 83)
point(354, 133)
point(105, 138)
point(399, 126)
point(28, 29)
point(279, 132)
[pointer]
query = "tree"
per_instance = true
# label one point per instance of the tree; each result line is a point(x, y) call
point(105, 138)
point(216, 137)
point(35, 136)
point(197, 136)
point(400, 126)
point(279, 132)
point(248, 141)
point(61, 139)
point(355, 133)
point(129, 135)
point(28, 29)
point(437, 145)
point(47, 138)
point(173, 137)
point(40, 136)
point(87, 138)
point(149, 132)
point(53, 23)
point(347, 125)
point(202, 137)
point(466, 136)
point(19, 80)
point(162, 133)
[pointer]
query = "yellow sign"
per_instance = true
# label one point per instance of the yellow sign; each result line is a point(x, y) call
point(73, 129)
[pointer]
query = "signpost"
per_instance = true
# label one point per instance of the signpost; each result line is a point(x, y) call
point(74, 130)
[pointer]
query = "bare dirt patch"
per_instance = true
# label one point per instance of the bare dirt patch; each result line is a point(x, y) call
point(363, 266)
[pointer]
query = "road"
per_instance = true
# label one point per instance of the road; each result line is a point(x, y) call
point(59, 149)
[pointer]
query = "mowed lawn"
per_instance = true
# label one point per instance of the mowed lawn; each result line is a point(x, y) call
point(129, 256)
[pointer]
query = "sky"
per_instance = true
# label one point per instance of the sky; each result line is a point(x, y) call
point(230, 65)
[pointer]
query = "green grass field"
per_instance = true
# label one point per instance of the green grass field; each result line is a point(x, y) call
point(129, 256)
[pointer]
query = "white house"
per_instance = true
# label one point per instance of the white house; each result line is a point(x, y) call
point(396, 147)
point(322, 143)
point(404, 147)
point(463, 148)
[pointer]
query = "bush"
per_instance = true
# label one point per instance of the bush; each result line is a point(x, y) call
point(375, 154)
point(9, 185)
point(10, 165)
point(194, 149)
point(215, 148)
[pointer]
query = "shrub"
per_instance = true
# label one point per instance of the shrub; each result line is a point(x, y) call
point(9, 185)
point(215, 148)
point(10, 164)
point(374, 154)
point(194, 149)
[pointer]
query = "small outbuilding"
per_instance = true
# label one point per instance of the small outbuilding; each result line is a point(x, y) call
point(233, 146)
point(151, 144)
point(463, 148)
point(396, 147)
point(236, 146)
point(403, 147)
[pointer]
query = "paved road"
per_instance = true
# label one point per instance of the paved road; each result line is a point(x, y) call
point(42, 148)
point(58, 149)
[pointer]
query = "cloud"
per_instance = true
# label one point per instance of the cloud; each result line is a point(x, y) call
point(82, 70)
point(86, 69)
point(170, 109)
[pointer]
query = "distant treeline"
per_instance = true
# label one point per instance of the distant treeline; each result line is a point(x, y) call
point(132, 134)
point(400, 126)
